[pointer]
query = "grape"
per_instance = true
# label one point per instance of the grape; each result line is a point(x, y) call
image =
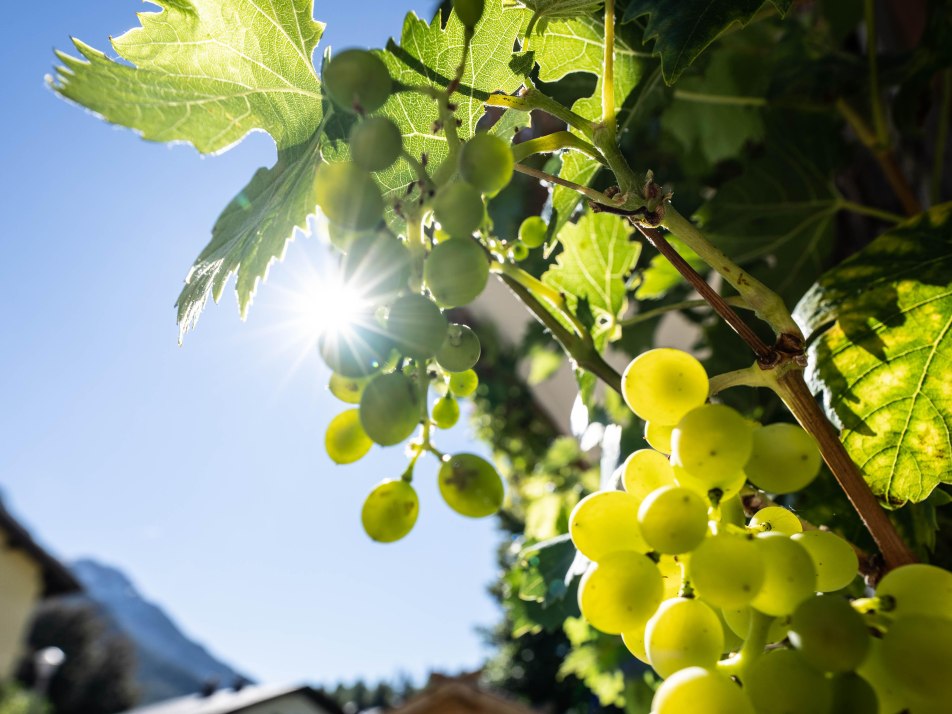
point(917, 590)
point(532, 231)
point(634, 640)
point(776, 519)
point(673, 519)
point(658, 436)
point(738, 620)
point(470, 485)
point(518, 252)
point(784, 459)
point(347, 389)
point(620, 593)
point(780, 682)
point(662, 385)
point(459, 209)
point(485, 161)
point(375, 143)
point(727, 570)
point(342, 238)
point(829, 633)
point(348, 195)
point(462, 384)
point(835, 560)
point(710, 441)
point(917, 651)
point(732, 641)
point(456, 272)
point(378, 264)
point(714, 486)
point(671, 575)
point(646, 470)
point(605, 522)
point(700, 691)
point(877, 674)
point(789, 576)
point(468, 11)
point(853, 695)
point(683, 633)
point(357, 81)
point(357, 351)
point(732, 511)
point(445, 412)
point(345, 440)
point(390, 511)
point(416, 326)
point(460, 350)
point(390, 408)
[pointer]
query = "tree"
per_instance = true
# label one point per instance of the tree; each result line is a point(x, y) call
point(803, 139)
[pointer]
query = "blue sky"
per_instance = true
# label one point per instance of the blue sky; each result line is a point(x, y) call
point(199, 470)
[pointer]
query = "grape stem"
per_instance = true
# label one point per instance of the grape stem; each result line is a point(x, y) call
point(543, 292)
point(590, 193)
point(752, 376)
point(531, 99)
point(608, 71)
point(753, 647)
point(556, 141)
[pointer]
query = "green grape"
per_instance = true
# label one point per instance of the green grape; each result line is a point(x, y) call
point(390, 408)
point(664, 384)
point(776, 519)
point(673, 519)
point(620, 593)
point(357, 351)
point(347, 389)
point(460, 350)
point(459, 209)
point(445, 412)
point(714, 486)
point(416, 326)
point(518, 252)
point(917, 651)
point(375, 143)
point(738, 621)
point(605, 522)
point(463, 384)
point(835, 560)
point(917, 590)
point(634, 640)
point(456, 272)
point(732, 511)
point(727, 570)
point(533, 231)
point(470, 485)
point(671, 575)
point(390, 511)
point(658, 436)
point(781, 682)
point(357, 81)
point(468, 11)
point(789, 576)
point(700, 691)
point(732, 641)
point(485, 161)
point(683, 633)
point(784, 459)
point(829, 633)
point(348, 195)
point(853, 695)
point(711, 441)
point(342, 238)
point(877, 674)
point(379, 265)
point(345, 440)
point(644, 471)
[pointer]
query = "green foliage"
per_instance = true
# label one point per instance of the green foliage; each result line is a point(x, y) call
point(14, 700)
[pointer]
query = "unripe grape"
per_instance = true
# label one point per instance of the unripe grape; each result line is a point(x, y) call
point(532, 232)
point(460, 350)
point(662, 385)
point(470, 485)
point(605, 522)
point(829, 633)
point(646, 470)
point(485, 161)
point(378, 265)
point(835, 560)
point(700, 691)
point(416, 326)
point(738, 620)
point(445, 412)
point(463, 384)
point(357, 81)
point(345, 440)
point(658, 436)
point(459, 209)
point(390, 408)
point(673, 520)
point(357, 351)
point(781, 682)
point(375, 143)
point(390, 511)
point(456, 272)
point(671, 576)
point(853, 695)
point(348, 195)
point(917, 650)
point(518, 252)
point(469, 11)
point(727, 570)
point(732, 511)
point(634, 640)
point(714, 486)
point(342, 238)
point(620, 593)
point(789, 576)
point(710, 441)
point(917, 589)
point(784, 458)
point(776, 519)
point(683, 633)
point(876, 671)
point(347, 389)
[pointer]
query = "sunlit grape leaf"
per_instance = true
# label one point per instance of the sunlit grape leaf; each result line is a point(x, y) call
point(881, 351)
point(682, 30)
point(545, 565)
point(545, 10)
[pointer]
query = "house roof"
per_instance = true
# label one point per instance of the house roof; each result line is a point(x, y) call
point(452, 693)
point(229, 701)
point(57, 580)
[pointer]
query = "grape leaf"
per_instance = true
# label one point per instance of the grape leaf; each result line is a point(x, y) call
point(206, 72)
point(546, 565)
point(683, 30)
point(881, 350)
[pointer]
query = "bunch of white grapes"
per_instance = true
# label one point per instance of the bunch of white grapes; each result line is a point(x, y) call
point(746, 616)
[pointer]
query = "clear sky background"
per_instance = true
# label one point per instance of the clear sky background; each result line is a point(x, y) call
point(199, 470)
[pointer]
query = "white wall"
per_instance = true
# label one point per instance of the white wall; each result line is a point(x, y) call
point(21, 583)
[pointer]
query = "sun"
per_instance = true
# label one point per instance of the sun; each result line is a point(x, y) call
point(324, 303)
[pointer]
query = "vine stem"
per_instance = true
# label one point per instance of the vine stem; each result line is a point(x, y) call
point(875, 97)
point(555, 141)
point(589, 193)
point(608, 70)
point(542, 291)
point(531, 99)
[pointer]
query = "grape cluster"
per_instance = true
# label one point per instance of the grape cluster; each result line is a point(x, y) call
point(747, 615)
